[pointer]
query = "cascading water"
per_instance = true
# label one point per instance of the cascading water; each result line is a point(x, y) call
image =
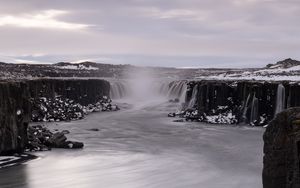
point(193, 100)
point(177, 90)
point(280, 99)
point(164, 88)
point(246, 107)
point(117, 90)
point(183, 94)
point(254, 110)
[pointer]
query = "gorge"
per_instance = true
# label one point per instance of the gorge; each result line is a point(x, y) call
point(141, 130)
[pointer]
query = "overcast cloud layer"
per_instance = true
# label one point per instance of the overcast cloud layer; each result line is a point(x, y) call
point(182, 33)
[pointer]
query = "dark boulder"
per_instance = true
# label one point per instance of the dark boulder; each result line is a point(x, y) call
point(282, 151)
point(40, 139)
point(72, 145)
point(171, 115)
point(57, 140)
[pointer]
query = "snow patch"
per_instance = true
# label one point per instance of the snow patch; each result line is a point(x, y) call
point(77, 67)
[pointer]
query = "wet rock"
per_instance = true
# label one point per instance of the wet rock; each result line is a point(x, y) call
point(115, 108)
point(179, 120)
point(282, 151)
point(171, 115)
point(66, 132)
point(57, 140)
point(41, 139)
point(72, 145)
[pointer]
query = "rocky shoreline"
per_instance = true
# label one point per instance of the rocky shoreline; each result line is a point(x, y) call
point(15, 159)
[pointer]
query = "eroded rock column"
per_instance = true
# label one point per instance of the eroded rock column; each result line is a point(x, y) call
point(14, 116)
point(282, 151)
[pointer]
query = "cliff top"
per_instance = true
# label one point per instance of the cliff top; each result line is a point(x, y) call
point(287, 63)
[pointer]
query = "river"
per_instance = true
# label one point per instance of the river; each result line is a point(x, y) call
point(140, 147)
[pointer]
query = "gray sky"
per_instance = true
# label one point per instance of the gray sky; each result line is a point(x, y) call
point(181, 33)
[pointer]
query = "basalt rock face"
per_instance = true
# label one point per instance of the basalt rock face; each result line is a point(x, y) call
point(83, 91)
point(226, 102)
point(63, 100)
point(19, 100)
point(282, 151)
point(14, 116)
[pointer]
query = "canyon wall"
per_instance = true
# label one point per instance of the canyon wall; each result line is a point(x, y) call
point(227, 102)
point(247, 101)
point(19, 100)
point(82, 91)
point(282, 151)
point(14, 116)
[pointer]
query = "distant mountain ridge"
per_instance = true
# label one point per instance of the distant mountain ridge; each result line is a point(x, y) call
point(287, 69)
point(287, 63)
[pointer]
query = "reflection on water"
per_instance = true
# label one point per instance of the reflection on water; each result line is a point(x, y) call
point(141, 147)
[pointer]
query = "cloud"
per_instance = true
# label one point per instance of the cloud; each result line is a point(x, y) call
point(233, 30)
point(179, 14)
point(45, 19)
point(24, 61)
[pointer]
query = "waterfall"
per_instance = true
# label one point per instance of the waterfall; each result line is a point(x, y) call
point(117, 90)
point(246, 107)
point(254, 109)
point(183, 94)
point(280, 99)
point(164, 88)
point(193, 100)
point(175, 90)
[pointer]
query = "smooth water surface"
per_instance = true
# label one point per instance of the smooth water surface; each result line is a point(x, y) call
point(139, 147)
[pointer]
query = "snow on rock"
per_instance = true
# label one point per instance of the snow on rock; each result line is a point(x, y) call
point(77, 67)
point(286, 70)
point(64, 109)
point(226, 118)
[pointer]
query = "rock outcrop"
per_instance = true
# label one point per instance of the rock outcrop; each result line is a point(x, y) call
point(68, 99)
point(42, 139)
point(82, 91)
point(14, 116)
point(282, 151)
point(228, 102)
point(45, 100)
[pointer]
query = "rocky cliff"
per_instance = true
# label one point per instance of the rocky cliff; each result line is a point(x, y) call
point(14, 116)
point(82, 91)
point(58, 99)
point(227, 102)
point(68, 99)
point(282, 151)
